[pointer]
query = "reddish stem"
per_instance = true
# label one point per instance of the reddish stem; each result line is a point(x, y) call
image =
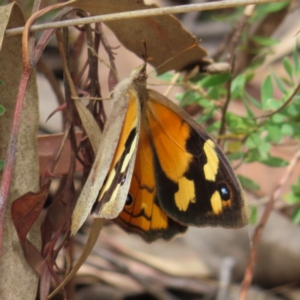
point(12, 151)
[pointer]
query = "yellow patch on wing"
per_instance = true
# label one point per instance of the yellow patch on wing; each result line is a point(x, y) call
point(186, 194)
point(216, 203)
point(143, 213)
point(129, 123)
point(169, 133)
point(211, 167)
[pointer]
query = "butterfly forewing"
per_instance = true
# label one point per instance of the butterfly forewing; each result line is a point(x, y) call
point(195, 183)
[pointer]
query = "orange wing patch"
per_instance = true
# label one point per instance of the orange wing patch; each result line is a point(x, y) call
point(141, 213)
point(130, 123)
point(170, 133)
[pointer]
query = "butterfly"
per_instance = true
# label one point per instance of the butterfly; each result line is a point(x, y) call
point(157, 171)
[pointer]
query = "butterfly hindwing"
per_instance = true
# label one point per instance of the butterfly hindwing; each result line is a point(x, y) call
point(142, 213)
point(195, 183)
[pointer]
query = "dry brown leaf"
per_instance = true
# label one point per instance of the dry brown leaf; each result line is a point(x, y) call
point(15, 272)
point(92, 239)
point(47, 145)
point(89, 124)
point(164, 35)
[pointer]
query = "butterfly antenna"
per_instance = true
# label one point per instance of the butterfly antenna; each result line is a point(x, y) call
point(145, 55)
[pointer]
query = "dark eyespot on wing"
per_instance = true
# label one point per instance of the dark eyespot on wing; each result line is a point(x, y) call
point(224, 192)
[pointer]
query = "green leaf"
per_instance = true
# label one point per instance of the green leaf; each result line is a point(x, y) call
point(253, 215)
point(264, 150)
point(215, 126)
point(253, 140)
point(230, 19)
point(278, 118)
point(279, 82)
point(292, 110)
point(213, 93)
point(238, 86)
point(296, 129)
point(250, 113)
point(214, 80)
point(265, 41)
point(2, 110)
point(189, 97)
point(288, 67)
point(238, 124)
point(205, 103)
point(248, 183)
point(273, 104)
point(287, 129)
point(266, 9)
point(273, 161)
point(266, 92)
point(296, 216)
point(207, 116)
point(235, 155)
point(252, 156)
point(256, 103)
point(274, 133)
point(179, 96)
point(292, 198)
point(2, 163)
point(259, 147)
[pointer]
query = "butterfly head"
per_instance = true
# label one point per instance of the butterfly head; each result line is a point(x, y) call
point(139, 74)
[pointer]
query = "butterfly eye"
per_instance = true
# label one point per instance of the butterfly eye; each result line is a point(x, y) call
point(224, 192)
point(129, 200)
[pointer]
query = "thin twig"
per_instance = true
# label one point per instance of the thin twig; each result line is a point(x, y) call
point(141, 14)
point(172, 84)
point(260, 227)
point(226, 104)
point(284, 105)
point(156, 291)
point(233, 36)
point(248, 11)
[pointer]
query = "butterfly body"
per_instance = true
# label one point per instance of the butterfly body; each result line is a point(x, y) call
point(166, 173)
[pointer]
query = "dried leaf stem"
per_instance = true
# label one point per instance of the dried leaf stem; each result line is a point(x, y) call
point(141, 14)
point(260, 227)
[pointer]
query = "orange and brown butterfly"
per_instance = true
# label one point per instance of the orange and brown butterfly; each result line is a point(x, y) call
point(157, 171)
